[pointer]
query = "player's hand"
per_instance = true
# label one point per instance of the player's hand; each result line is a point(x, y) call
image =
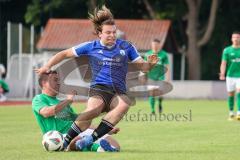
point(153, 59)
point(42, 70)
point(222, 77)
point(71, 95)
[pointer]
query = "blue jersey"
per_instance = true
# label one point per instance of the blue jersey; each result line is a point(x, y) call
point(109, 66)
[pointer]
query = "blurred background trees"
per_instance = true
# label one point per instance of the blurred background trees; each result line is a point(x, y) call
point(202, 27)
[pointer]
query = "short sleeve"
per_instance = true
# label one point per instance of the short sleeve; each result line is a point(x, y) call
point(224, 55)
point(38, 104)
point(4, 85)
point(82, 49)
point(133, 54)
point(166, 59)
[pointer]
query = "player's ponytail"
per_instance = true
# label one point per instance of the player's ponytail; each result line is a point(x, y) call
point(101, 16)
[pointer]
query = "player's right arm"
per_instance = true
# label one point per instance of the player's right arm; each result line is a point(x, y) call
point(76, 51)
point(53, 110)
point(223, 64)
point(49, 111)
point(222, 70)
point(60, 56)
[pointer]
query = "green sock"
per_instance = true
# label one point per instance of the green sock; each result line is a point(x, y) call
point(231, 102)
point(93, 148)
point(160, 104)
point(160, 101)
point(238, 101)
point(152, 103)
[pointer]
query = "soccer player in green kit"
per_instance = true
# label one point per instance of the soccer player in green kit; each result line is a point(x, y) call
point(53, 114)
point(50, 113)
point(230, 71)
point(3, 90)
point(156, 73)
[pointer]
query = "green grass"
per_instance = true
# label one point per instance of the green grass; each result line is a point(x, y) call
point(207, 135)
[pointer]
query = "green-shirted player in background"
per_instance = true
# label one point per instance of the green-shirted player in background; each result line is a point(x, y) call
point(3, 90)
point(230, 67)
point(53, 114)
point(156, 73)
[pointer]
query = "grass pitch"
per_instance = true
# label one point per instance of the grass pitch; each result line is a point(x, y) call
point(194, 129)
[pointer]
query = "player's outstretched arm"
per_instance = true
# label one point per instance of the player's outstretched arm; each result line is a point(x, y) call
point(60, 56)
point(145, 66)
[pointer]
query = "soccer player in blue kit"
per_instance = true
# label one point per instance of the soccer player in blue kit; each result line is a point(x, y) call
point(108, 59)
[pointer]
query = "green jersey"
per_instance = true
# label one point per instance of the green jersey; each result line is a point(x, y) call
point(232, 57)
point(61, 122)
point(156, 73)
point(4, 85)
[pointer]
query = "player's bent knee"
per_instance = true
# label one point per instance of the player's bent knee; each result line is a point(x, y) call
point(232, 93)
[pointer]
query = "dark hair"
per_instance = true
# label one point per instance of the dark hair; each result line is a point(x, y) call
point(101, 16)
point(156, 40)
point(236, 32)
point(44, 77)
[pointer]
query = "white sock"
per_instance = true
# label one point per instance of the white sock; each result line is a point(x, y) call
point(100, 149)
point(2, 98)
point(231, 113)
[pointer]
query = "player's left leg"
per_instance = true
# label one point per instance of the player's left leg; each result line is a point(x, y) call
point(106, 143)
point(231, 100)
point(231, 86)
point(238, 98)
point(152, 104)
point(160, 108)
point(94, 108)
point(119, 106)
point(92, 148)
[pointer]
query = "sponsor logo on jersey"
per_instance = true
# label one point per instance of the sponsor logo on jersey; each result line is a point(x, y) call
point(100, 51)
point(122, 52)
point(118, 59)
point(236, 60)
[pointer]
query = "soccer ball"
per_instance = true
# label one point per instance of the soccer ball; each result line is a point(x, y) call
point(52, 141)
